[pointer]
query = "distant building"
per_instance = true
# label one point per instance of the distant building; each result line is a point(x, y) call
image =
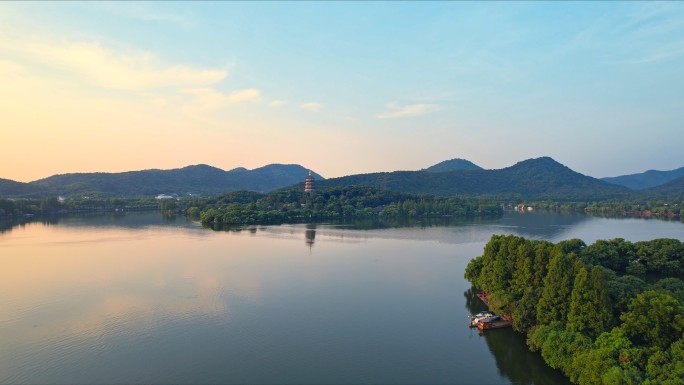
point(162, 196)
point(60, 199)
point(309, 184)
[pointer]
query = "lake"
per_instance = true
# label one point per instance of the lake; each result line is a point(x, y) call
point(145, 298)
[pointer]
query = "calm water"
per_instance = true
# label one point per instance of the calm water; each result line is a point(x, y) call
point(140, 298)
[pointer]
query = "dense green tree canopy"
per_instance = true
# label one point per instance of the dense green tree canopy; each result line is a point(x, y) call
point(596, 324)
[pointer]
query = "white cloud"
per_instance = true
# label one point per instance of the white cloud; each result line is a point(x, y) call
point(277, 103)
point(409, 110)
point(109, 69)
point(312, 106)
point(207, 99)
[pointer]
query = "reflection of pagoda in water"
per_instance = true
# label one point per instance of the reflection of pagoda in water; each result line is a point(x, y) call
point(309, 184)
point(310, 236)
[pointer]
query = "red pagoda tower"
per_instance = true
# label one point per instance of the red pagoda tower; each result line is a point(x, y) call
point(309, 184)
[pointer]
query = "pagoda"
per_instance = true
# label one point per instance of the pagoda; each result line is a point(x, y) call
point(309, 184)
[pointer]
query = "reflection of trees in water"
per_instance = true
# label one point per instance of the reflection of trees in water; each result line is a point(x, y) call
point(513, 358)
point(542, 224)
point(168, 217)
point(8, 224)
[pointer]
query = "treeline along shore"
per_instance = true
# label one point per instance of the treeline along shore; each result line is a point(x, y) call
point(290, 204)
point(608, 313)
point(20, 208)
point(336, 202)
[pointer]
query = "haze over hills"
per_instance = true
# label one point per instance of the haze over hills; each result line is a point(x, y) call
point(646, 180)
point(453, 164)
point(532, 178)
point(198, 179)
point(675, 186)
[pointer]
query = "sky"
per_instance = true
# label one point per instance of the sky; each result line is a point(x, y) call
point(339, 87)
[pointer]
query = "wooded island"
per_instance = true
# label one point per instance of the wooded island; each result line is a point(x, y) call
point(589, 309)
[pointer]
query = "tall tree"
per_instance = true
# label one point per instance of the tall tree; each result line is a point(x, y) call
point(590, 310)
point(554, 303)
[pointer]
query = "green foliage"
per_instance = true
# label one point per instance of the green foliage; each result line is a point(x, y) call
point(654, 320)
point(575, 246)
point(540, 178)
point(198, 179)
point(569, 313)
point(590, 310)
point(354, 201)
point(453, 164)
point(667, 367)
point(615, 254)
point(621, 291)
point(166, 205)
point(19, 207)
point(525, 313)
point(671, 286)
point(554, 303)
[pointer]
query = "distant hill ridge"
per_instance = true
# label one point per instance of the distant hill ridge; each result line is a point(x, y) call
point(532, 178)
point(646, 180)
point(541, 178)
point(453, 164)
point(198, 179)
point(675, 186)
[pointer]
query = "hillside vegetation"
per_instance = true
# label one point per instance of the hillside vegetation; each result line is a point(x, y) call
point(534, 178)
point(355, 201)
point(586, 309)
point(673, 187)
point(453, 164)
point(199, 179)
point(646, 180)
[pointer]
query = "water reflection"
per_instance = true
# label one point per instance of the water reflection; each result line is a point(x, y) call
point(515, 363)
point(105, 297)
point(310, 236)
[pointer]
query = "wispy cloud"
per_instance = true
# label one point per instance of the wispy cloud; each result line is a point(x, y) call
point(408, 110)
point(312, 106)
point(107, 68)
point(434, 96)
point(208, 99)
point(143, 12)
point(277, 103)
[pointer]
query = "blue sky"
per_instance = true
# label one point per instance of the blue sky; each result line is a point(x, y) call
point(342, 87)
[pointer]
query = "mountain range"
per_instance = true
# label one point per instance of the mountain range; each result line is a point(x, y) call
point(539, 178)
point(199, 179)
point(646, 180)
point(532, 178)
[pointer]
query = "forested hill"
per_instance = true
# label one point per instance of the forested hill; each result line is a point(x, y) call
point(532, 178)
point(198, 179)
point(453, 164)
point(10, 188)
point(673, 187)
point(646, 180)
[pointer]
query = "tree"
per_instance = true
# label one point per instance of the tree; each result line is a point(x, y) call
point(672, 286)
point(574, 245)
point(590, 311)
point(667, 367)
point(621, 291)
point(654, 320)
point(525, 313)
point(554, 303)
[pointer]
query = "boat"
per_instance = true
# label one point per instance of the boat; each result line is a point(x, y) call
point(483, 315)
point(495, 322)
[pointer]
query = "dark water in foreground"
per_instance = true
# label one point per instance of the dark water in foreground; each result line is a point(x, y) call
point(139, 298)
